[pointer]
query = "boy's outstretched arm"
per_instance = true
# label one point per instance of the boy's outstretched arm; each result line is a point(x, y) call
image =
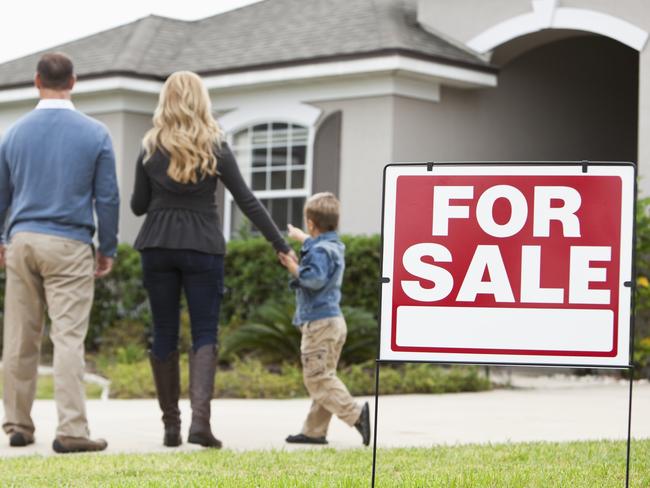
point(296, 233)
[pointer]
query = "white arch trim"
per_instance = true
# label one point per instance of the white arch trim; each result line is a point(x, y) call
point(298, 113)
point(546, 16)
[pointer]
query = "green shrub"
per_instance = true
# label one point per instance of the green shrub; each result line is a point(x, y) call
point(254, 276)
point(131, 380)
point(271, 337)
point(643, 258)
point(119, 298)
point(641, 357)
point(45, 388)
point(363, 335)
point(414, 378)
point(125, 338)
point(251, 379)
point(361, 280)
point(248, 379)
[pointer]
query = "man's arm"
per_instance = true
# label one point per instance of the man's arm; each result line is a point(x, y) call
point(5, 200)
point(107, 207)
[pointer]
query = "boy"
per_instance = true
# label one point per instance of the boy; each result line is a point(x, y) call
point(317, 281)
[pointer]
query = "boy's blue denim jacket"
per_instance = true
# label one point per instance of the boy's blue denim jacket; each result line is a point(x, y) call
point(320, 274)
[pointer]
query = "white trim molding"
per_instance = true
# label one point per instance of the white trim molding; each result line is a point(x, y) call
point(99, 85)
point(547, 15)
point(394, 63)
point(343, 87)
point(296, 113)
point(404, 73)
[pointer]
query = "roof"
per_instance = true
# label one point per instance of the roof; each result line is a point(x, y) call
point(271, 33)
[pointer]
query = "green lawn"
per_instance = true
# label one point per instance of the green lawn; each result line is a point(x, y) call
point(574, 465)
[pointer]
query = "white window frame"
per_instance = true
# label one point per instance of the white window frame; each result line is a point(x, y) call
point(271, 194)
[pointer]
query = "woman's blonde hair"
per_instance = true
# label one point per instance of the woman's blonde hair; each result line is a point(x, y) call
point(183, 127)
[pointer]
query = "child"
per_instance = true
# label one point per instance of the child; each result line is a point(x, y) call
point(317, 281)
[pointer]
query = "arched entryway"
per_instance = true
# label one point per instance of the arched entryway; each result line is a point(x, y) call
point(561, 96)
point(564, 95)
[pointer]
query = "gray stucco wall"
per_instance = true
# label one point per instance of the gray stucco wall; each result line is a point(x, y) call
point(571, 100)
point(644, 120)
point(127, 130)
point(10, 113)
point(366, 146)
point(452, 18)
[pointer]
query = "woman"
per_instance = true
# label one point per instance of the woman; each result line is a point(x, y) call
point(181, 243)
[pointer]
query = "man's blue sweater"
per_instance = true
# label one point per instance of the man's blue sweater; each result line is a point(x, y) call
point(55, 163)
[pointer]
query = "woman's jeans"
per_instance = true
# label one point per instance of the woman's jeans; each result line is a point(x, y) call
point(200, 275)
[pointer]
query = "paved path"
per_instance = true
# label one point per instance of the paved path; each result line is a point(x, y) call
point(539, 409)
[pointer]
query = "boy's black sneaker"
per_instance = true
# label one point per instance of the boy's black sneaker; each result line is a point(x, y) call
point(363, 424)
point(305, 439)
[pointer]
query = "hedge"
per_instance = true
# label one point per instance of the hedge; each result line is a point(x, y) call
point(253, 277)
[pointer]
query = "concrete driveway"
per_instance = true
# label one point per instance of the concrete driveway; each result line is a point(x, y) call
point(538, 409)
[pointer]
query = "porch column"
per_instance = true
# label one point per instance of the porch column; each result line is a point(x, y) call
point(644, 122)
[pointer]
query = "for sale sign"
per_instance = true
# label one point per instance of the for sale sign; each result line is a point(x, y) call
point(508, 263)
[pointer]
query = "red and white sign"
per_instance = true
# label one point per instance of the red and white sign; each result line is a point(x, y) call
point(512, 263)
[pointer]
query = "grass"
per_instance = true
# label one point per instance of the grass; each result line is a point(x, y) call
point(45, 388)
point(574, 465)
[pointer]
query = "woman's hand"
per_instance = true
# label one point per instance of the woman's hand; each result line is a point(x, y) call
point(296, 233)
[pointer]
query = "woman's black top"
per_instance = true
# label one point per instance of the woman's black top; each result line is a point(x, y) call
point(184, 215)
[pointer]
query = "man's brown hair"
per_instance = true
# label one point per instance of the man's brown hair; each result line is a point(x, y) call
point(55, 70)
point(323, 210)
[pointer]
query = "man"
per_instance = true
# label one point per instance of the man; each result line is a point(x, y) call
point(55, 165)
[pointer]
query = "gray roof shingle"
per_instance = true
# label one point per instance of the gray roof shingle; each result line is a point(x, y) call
point(268, 33)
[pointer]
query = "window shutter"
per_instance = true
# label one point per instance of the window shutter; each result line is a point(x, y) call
point(327, 154)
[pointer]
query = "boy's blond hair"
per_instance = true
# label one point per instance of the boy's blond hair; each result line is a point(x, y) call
point(323, 210)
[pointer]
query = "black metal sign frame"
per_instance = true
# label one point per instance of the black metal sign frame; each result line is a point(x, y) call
point(631, 284)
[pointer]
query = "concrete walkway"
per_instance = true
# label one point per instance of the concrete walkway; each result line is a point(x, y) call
point(537, 409)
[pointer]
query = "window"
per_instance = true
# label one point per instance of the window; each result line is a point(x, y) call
point(274, 160)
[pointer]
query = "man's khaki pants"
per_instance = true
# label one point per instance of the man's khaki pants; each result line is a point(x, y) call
point(320, 349)
point(56, 272)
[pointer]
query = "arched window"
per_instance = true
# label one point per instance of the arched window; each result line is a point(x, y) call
point(274, 158)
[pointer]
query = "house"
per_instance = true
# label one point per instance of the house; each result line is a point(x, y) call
point(320, 94)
